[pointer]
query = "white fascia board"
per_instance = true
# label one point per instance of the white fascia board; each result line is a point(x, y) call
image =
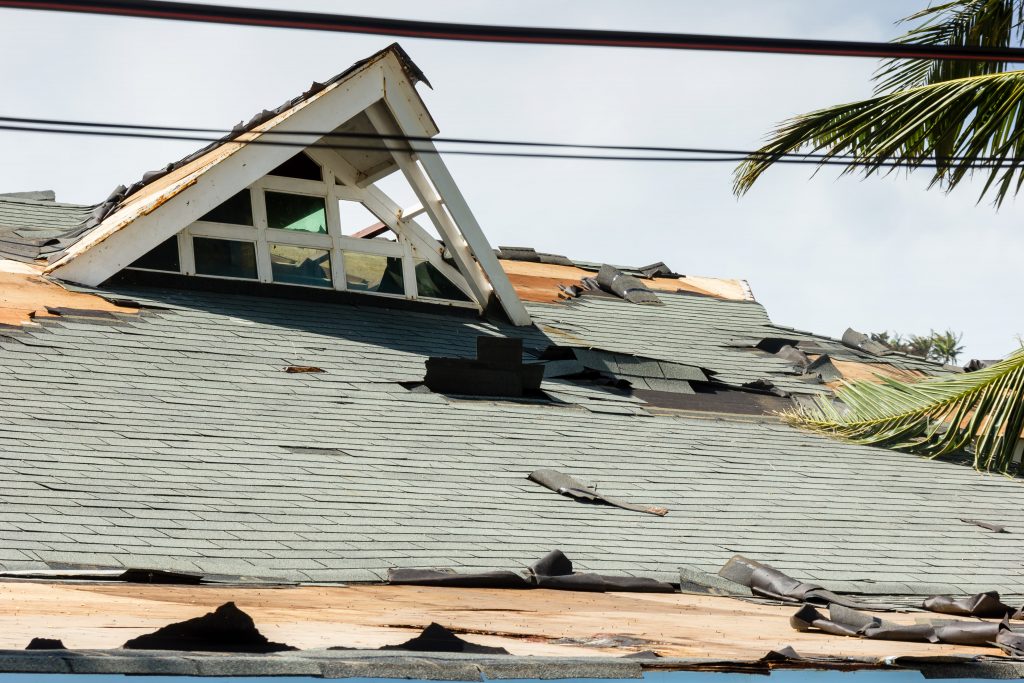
point(132, 231)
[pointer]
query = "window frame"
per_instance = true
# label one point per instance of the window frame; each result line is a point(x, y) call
point(332, 190)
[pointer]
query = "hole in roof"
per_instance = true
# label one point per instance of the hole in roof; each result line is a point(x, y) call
point(358, 221)
point(163, 256)
point(374, 273)
point(299, 212)
point(299, 166)
point(236, 211)
point(225, 258)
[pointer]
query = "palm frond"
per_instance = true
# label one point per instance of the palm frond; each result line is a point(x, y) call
point(960, 23)
point(960, 127)
point(982, 411)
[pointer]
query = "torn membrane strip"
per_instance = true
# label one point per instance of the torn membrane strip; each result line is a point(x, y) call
point(573, 488)
point(981, 605)
point(554, 571)
point(768, 582)
point(843, 621)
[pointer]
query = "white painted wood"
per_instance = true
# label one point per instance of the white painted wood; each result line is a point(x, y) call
point(429, 199)
point(411, 123)
point(225, 230)
point(381, 247)
point(264, 266)
point(299, 238)
point(291, 185)
point(186, 259)
point(412, 212)
point(387, 210)
point(146, 222)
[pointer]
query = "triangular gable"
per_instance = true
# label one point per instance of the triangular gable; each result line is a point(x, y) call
point(375, 97)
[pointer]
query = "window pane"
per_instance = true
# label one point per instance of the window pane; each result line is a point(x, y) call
point(237, 210)
point(228, 258)
point(296, 212)
point(299, 166)
point(164, 256)
point(300, 265)
point(374, 273)
point(432, 283)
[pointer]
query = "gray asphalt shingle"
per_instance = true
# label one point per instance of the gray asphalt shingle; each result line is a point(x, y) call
point(176, 434)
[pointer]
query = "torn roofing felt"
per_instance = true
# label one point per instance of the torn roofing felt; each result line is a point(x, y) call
point(554, 571)
point(32, 229)
point(573, 488)
point(226, 629)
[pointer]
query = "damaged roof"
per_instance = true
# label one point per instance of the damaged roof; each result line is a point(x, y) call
point(173, 438)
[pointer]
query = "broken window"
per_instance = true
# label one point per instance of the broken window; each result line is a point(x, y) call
point(296, 212)
point(237, 211)
point(163, 256)
point(224, 258)
point(430, 282)
point(299, 166)
point(300, 265)
point(374, 273)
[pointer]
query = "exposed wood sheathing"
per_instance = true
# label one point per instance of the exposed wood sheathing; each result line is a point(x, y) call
point(524, 622)
point(24, 296)
point(540, 282)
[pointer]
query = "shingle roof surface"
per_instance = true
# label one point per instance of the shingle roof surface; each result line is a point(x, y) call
point(30, 228)
point(173, 439)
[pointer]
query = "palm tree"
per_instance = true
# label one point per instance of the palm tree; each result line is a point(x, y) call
point(956, 117)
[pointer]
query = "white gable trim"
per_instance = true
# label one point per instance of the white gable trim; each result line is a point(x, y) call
point(154, 215)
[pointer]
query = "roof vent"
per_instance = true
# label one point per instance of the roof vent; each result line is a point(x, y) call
point(498, 370)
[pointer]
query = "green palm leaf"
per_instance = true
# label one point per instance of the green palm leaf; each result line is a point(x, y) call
point(961, 23)
point(982, 411)
point(965, 126)
point(957, 117)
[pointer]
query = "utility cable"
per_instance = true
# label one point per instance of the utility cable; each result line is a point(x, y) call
point(718, 157)
point(320, 21)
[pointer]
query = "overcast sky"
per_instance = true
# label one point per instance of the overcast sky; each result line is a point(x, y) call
point(820, 253)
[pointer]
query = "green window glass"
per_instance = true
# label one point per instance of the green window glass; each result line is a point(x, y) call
point(373, 273)
point(227, 258)
point(163, 256)
point(237, 211)
point(296, 212)
point(300, 265)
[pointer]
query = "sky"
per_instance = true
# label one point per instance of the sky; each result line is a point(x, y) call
point(821, 252)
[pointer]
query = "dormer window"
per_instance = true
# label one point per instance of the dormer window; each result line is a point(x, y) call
point(299, 226)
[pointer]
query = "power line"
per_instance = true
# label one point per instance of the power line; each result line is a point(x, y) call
point(406, 138)
point(713, 155)
point(319, 21)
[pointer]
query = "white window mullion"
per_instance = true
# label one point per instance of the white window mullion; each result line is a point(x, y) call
point(264, 271)
point(334, 230)
point(408, 269)
point(186, 258)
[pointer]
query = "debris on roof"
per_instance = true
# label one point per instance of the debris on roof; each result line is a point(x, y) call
point(497, 370)
point(573, 488)
point(531, 255)
point(45, 644)
point(26, 297)
point(862, 342)
point(554, 571)
point(983, 605)
point(998, 528)
point(625, 286)
point(437, 638)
